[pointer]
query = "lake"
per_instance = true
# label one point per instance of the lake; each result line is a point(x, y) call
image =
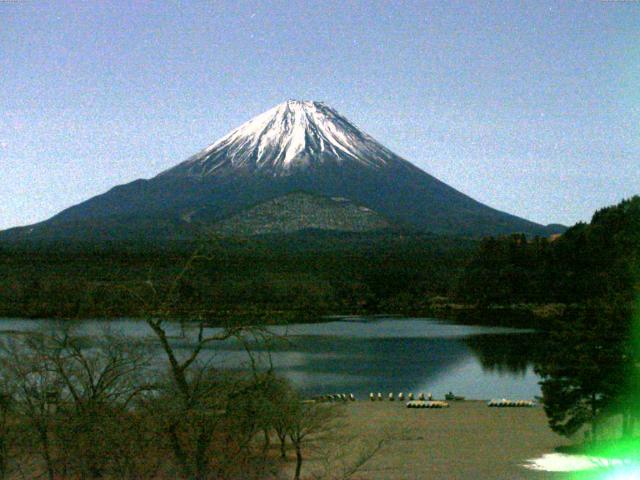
point(361, 355)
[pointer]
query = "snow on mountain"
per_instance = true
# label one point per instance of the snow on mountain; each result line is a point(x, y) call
point(294, 147)
point(294, 134)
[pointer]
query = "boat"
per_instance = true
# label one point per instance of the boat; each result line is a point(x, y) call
point(450, 396)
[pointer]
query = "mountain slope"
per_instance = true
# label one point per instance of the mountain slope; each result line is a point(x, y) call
point(296, 146)
point(301, 211)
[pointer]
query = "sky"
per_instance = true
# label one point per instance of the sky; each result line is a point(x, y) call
point(529, 107)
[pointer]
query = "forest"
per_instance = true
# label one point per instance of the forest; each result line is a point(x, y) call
point(589, 358)
point(309, 274)
point(589, 261)
point(277, 278)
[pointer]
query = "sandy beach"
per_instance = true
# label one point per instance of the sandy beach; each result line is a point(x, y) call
point(466, 441)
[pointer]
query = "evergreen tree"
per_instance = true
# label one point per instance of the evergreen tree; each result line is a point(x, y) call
point(584, 376)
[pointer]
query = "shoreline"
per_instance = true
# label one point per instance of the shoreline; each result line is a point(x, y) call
point(466, 440)
point(531, 316)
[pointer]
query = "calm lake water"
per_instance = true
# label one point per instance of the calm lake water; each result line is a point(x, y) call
point(361, 355)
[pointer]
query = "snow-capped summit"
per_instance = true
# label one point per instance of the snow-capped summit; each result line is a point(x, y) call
point(294, 134)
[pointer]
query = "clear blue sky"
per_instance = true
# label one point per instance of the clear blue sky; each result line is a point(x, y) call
point(530, 107)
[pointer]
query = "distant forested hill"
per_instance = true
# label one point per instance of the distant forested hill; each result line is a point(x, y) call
point(312, 273)
point(599, 260)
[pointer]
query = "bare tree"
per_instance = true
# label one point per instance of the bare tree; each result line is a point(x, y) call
point(7, 433)
point(100, 381)
point(202, 406)
point(74, 396)
point(309, 422)
point(30, 372)
point(345, 457)
point(95, 408)
point(197, 395)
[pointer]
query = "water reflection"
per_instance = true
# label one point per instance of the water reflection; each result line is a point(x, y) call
point(365, 355)
point(515, 354)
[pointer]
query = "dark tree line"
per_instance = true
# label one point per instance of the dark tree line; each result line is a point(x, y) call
point(589, 368)
point(305, 275)
point(589, 261)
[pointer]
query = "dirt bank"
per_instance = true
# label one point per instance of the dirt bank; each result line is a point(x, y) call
point(466, 441)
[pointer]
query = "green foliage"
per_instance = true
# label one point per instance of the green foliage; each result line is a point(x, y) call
point(598, 260)
point(507, 270)
point(589, 369)
point(585, 368)
point(298, 275)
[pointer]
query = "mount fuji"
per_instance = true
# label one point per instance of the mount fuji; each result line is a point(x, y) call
point(292, 137)
point(300, 165)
